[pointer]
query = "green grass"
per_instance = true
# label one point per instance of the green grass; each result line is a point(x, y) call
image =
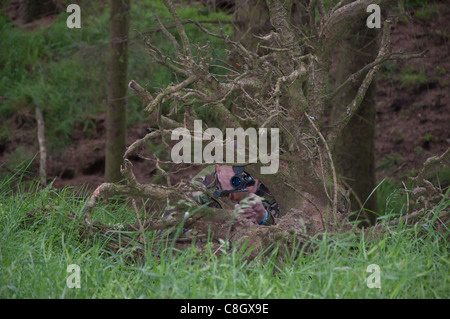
point(410, 77)
point(391, 195)
point(34, 257)
point(390, 162)
point(427, 13)
point(428, 137)
point(65, 71)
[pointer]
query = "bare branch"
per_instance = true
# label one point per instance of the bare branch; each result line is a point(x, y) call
point(143, 93)
point(430, 163)
point(135, 189)
point(187, 22)
point(169, 35)
point(169, 90)
point(288, 78)
point(163, 172)
point(163, 59)
point(136, 144)
point(337, 6)
point(355, 76)
point(321, 9)
point(147, 97)
point(179, 26)
point(141, 228)
point(312, 15)
point(219, 36)
point(353, 106)
point(333, 171)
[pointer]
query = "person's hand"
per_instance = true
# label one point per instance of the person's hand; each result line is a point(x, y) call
point(224, 175)
point(252, 208)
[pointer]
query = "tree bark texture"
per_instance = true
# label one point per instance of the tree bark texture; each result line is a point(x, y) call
point(251, 17)
point(117, 98)
point(283, 85)
point(354, 151)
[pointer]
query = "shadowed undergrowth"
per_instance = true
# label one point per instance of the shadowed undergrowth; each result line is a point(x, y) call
point(34, 255)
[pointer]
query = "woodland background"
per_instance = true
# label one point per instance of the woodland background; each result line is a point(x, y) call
point(65, 72)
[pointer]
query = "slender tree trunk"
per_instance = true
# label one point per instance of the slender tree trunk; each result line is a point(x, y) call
point(117, 97)
point(354, 152)
point(284, 86)
point(42, 147)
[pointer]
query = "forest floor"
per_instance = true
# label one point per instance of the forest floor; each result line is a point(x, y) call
point(413, 109)
point(413, 113)
point(412, 124)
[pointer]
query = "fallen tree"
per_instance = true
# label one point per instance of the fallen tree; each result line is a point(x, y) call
point(283, 84)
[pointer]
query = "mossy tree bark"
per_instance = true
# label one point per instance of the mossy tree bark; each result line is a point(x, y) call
point(284, 86)
point(117, 97)
point(354, 151)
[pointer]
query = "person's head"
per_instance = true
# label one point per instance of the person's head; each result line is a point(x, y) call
point(224, 175)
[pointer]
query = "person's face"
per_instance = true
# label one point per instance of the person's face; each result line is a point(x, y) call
point(224, 174)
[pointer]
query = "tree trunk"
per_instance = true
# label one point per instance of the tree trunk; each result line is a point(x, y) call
point(354, 152)
point(117, 98)
point(42, 148)
point(251, 18)
point(284, 85)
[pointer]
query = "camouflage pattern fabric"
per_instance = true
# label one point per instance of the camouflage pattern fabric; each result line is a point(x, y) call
point(208, 178)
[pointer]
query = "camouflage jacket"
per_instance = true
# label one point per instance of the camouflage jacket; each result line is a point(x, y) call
point(208, 178)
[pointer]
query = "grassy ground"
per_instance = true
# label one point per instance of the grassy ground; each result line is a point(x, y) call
point(65, 71)
point(34, 258)
point(54, 68)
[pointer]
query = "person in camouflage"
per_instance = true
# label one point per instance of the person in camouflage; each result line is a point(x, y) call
point(257, 204)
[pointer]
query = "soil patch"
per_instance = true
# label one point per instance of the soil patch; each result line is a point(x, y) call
point(413, 112)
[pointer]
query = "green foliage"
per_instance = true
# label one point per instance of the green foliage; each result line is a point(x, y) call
point(390, 161)
point(397, 135)
point(390, 66)
point(65, 71)
point(428, 137)
point(411, 4)
point(418, 149)
point(391, 195)
point(159, 150)
point(441, 178)
point(391, 198)
point(410, 77)
point(427, 13)
point(412, 172)
point(388, 70)
point(440, 71)
point(45, 68)
point(35, 253)
point(20, 160)
point(443, 33)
